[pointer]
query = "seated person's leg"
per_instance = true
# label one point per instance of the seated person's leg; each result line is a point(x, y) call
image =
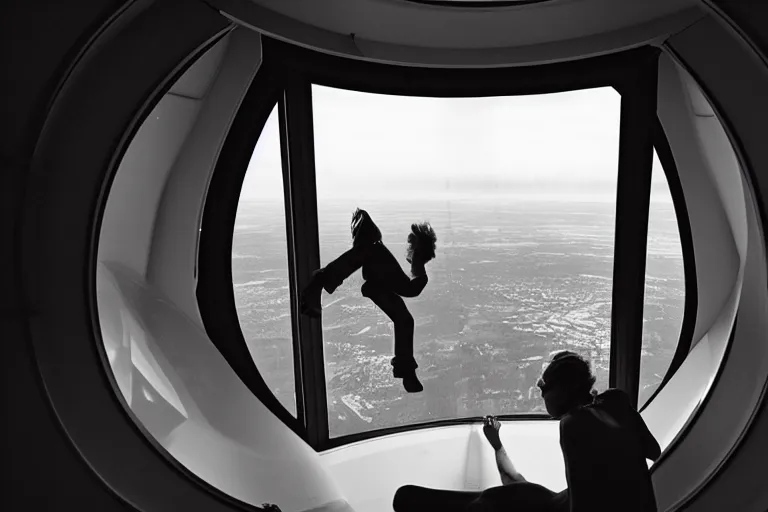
point(412, 498)
point(518, 496)
point(403, 364)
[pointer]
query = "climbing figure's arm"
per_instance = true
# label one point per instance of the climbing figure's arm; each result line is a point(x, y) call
point(421, 249)
point(414, 285)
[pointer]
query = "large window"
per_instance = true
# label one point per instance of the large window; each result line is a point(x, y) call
point(521, 192)
point(260, 267)
point(664, 287)
point(535, 181)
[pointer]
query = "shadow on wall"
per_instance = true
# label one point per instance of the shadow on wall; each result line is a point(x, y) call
point(191, 402)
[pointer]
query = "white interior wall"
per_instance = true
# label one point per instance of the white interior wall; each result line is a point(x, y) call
point(709, 439)
point(716, 253)
point(177, 384)
point(140, 179)
point(172, 260)
point(226, 437)
point(706, 182)
point(456, 457)
point(734, 80)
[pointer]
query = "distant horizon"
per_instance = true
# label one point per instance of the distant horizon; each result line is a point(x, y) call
point(659, 194)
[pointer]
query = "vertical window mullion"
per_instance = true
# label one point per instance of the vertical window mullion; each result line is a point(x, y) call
point(638, 114)
point(292, 285)
point(304, 253)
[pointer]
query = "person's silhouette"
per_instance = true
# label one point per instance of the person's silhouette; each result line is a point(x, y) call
point(605, 444)
point(385, 284)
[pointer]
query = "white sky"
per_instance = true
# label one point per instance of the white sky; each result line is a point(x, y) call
point(377, 146)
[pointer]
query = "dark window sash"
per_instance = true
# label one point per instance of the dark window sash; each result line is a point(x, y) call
point(638, 117)
point(215, 293)
point(297, 141)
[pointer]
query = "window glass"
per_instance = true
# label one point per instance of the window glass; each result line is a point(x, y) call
point(521, 194)
point(664, 287)
point(260, 267)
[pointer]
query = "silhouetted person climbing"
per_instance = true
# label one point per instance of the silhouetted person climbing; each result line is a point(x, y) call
point(605, 444)
point(385, 284)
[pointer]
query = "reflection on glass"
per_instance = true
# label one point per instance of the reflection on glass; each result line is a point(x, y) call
point(260, 267)
point(664, 287)
point(521, 193)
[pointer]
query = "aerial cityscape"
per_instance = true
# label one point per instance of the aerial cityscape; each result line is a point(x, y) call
point(514, 280)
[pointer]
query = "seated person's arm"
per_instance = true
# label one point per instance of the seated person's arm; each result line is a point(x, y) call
point(507, 470)
point(577, 462)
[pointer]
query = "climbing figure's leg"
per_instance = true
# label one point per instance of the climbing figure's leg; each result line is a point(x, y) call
point(365, 233)
point(329, 278)
point(403, 364)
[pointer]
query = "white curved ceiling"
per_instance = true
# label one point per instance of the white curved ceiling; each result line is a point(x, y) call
point(401, 22)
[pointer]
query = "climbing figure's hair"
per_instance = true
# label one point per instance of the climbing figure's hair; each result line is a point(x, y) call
point(572, 369)
point(422, 239)
point(364, 230)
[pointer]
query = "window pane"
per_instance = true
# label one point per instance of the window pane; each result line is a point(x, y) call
point(664, 287)
point(260, 267)
point(521, 194)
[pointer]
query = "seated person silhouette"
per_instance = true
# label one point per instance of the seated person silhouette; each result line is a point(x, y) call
point(604, 441)
point(385, 284)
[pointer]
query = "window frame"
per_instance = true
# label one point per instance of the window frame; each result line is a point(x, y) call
point(215, 293)
point(285, 78)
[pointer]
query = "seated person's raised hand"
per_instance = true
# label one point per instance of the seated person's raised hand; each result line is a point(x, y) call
point(491, 428)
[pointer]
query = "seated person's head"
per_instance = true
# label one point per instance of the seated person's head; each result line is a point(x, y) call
point(566, 383)
point(421, 243)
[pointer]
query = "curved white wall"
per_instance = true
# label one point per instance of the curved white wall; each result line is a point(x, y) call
point(719, 58)
point(173, 252)
point(143, 171)
point(701, 176)
point(175, 381)
point(708, 179)
point(189, 399)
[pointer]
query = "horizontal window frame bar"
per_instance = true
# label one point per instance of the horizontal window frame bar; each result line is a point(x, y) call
point(619, 70)
point(339, 441)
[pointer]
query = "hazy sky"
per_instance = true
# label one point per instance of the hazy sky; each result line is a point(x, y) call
point(376, 146)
